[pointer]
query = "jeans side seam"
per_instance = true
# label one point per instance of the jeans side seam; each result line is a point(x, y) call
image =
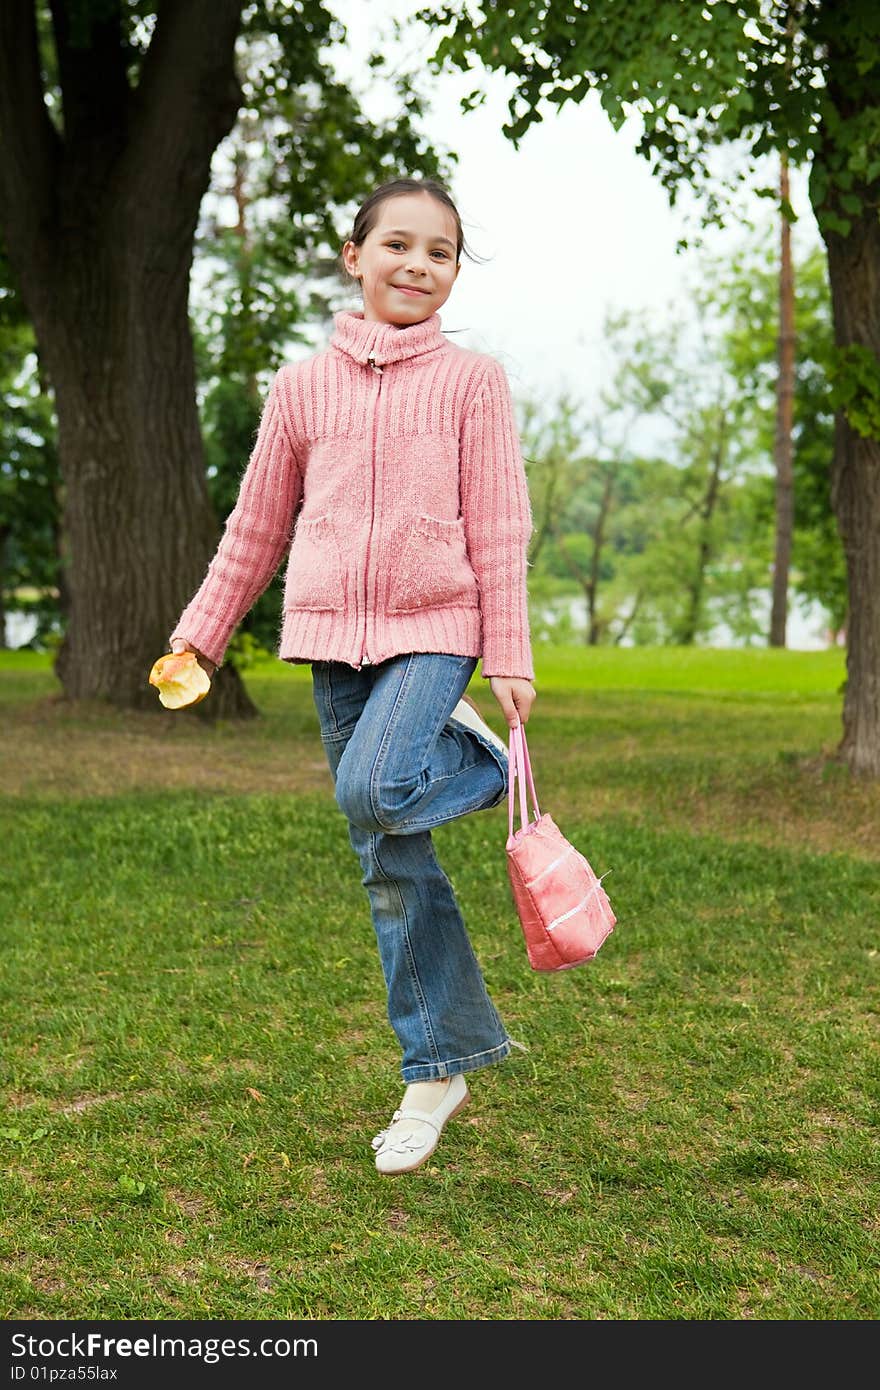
point(431, 1041)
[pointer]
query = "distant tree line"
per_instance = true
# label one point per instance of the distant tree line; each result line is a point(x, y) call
point(666, 545)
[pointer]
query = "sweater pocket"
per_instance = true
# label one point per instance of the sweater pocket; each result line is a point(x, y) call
point(434, 569)
point(314, 570)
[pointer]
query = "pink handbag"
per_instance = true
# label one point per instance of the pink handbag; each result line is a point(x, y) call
point(563, 909)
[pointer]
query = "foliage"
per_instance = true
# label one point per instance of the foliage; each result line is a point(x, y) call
point(747, 294)
point(855, 388)
point(713, 391)
point(669, 551)
point(756, 74)
point(29, 478)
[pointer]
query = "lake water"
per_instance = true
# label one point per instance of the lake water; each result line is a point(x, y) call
point(807, 626)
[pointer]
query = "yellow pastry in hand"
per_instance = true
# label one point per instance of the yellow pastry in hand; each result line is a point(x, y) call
point(180, 680)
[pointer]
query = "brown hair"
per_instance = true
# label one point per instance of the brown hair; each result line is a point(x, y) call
point(365, 220)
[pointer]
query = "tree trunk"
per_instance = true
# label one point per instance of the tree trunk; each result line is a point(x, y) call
point(784, 420)
point(99, 215)
point(138, 525)
point(689, 625)
point(4, 536)
point(854, 272)
point(630, 618)
point(846, 211)
point(595, 628)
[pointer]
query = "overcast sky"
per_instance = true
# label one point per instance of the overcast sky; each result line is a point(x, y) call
point(574, 222)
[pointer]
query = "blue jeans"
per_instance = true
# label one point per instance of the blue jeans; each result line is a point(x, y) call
point(399, 769)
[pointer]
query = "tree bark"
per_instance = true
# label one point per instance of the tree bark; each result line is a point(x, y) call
point(595, 628)
point(99, 225)
point(545, 526)
point(854, 272)
point(784, 423)
point(687, 633)
point(4, 537)
point(854, 276)
point(138, 526)
point(630, 617)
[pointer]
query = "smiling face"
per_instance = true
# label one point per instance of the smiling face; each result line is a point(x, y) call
point(408, 262)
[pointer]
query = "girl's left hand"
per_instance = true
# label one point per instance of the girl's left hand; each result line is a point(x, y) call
point(515, 696)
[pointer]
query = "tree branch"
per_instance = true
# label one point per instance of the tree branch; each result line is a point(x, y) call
point(186, 100)
point(91, 73)
point(29, 144)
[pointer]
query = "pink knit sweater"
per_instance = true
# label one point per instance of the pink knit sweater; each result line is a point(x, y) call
point(389, 466)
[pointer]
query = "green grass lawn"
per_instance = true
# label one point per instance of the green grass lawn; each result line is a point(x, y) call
point(196, 1055)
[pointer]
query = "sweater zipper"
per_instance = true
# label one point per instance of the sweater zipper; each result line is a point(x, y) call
point(377, 368)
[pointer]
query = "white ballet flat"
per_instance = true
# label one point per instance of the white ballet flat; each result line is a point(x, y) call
point(467, 713)
point(413, 1135)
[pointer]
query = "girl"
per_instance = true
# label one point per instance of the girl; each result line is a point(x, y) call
point(396, 455)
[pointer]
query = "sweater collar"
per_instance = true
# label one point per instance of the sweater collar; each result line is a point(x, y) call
point(385, 342)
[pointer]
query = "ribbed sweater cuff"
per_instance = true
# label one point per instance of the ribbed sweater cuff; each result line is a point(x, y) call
point(509, 659)
point(209, 635)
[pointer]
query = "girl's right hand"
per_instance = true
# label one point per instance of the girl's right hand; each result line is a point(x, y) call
point(205, 662)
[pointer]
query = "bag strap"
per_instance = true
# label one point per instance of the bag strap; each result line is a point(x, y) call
point(520, 769)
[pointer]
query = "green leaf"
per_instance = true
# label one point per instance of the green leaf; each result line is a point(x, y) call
point(830, 222)
point(854, 373)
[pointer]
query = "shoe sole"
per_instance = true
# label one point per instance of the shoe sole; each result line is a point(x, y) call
point(396, 1172)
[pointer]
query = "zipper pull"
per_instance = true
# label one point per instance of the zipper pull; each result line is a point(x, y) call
point(374, 364)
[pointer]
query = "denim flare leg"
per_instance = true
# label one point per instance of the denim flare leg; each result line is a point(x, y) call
point(400, 769)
